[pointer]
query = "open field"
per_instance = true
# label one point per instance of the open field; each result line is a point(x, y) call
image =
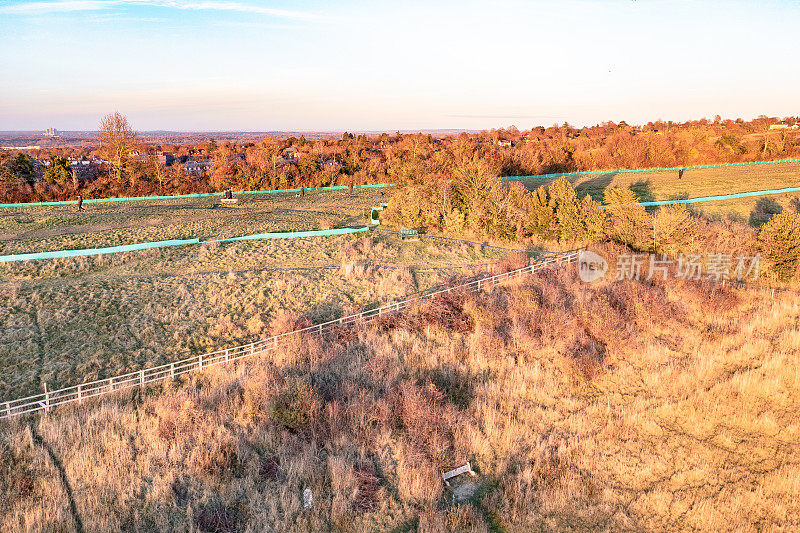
point(630, 406)
point(38, 229)
point(665, 185)
point(66, 321)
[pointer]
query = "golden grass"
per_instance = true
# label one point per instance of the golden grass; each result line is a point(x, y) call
point(38, 229)
point(67, 321)
point(612, 406)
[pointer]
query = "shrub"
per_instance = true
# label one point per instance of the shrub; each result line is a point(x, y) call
point(540, 217)
point(673, 229)
point(764, 210)
point(779, 241)
point(16, 476)
point(297, 406)
point(567, 210)
point(216, 517)
point(630, 223)
point(594, 219)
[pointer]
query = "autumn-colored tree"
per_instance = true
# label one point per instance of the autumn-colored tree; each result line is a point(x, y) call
point(674, 229)
point(58, 171)
point(118, 139)
point(22, 168)
point(630, 223)
point(779, 241)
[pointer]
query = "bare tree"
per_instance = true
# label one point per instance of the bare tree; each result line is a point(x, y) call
point(118, 139)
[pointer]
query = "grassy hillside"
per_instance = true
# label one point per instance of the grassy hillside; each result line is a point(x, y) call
point(616, 406)
point(620, 405)
point(66, 321)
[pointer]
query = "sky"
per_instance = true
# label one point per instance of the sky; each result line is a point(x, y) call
point(247, 65)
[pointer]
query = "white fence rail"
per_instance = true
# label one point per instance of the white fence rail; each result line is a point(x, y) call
point(77, 393)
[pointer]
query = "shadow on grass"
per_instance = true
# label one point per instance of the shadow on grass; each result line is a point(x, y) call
point(63, 475)
point(595, 186)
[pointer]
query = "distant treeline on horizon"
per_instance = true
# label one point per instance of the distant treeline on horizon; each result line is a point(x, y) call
point(138, 164)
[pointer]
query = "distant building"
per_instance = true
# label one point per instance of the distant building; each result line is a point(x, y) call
point(505, 144)
point(196, 167)
point(165, 158)
point(330, 165)
point(51, 132)
point(192, 167)
point(783, 126)
point(83, 170)
point(291, 154)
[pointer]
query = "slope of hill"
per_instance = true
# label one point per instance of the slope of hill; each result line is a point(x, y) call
point(625, 405)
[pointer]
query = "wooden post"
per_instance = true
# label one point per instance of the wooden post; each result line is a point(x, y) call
point(200, 361)
point(46, 398)
point(8, 409)
point(172, 370)
point(80, 394)
point(227, 355)
point(110, 384)
point(141, 378)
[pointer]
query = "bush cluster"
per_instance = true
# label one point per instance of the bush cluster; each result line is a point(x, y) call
point(475, 202)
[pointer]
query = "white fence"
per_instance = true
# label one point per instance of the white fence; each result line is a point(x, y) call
point(77, 393)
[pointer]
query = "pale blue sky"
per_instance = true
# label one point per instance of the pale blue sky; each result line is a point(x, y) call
point(264, 65)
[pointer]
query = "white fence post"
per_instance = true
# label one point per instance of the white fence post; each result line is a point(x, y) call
point(141, 378)
point(80, 395)
point(8, 409)
point(46, 398)
point(200, 362)
point(172, 370)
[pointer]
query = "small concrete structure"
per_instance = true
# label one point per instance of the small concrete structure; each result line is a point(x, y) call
point(467, 468)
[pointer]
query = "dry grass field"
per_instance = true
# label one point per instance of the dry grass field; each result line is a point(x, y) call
point(66, 321)
point(621, 406)
point(37, 229)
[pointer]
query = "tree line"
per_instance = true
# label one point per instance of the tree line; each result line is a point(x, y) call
point(131, 167)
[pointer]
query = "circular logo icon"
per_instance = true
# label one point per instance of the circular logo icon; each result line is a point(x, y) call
point(591, 266)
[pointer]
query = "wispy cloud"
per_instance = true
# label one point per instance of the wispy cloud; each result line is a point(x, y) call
point(42, 8)
point(66, 6)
